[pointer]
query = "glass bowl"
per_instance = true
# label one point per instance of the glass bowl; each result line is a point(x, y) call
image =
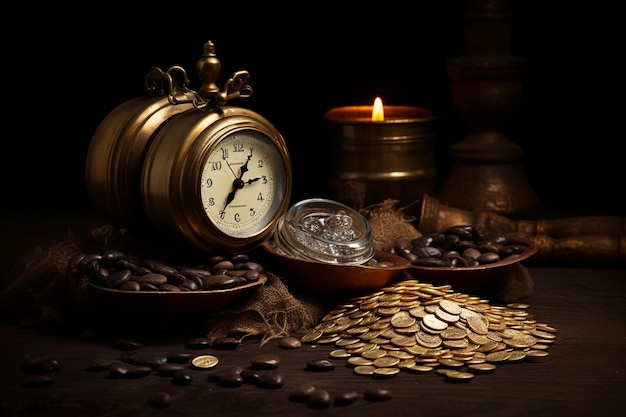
point(326, 231)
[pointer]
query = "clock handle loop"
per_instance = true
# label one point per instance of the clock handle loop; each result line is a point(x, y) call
point(174, 83)
point(235, 87)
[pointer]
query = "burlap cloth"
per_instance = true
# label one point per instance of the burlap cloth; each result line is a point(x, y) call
point(47, 288)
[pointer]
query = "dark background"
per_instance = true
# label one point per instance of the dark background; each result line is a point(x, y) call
point(66, 68)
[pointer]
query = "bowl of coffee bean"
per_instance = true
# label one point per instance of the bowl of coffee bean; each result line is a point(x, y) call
point(121, 283)
point(465, 257)
point(334, 279)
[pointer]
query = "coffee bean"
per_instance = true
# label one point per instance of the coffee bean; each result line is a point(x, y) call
point(182, 377)
point(152, 278)
point(138, 371)
point(183, 357)
point(319, 398)
point(320, 365)
point(346, 398)
point(39, 364)
point(126, 344)
point(290, 343)
point(265, 361)
point(271, 380)
point(250, 376)
point(225, 343)
point(169, 369)
point(198, 343)
point(99, 365)
point(130, 286)
point(151, 361)
point(377, 394)
point(230, 378)
point(301, 393)
point(160, 399)
point(39, 381)
point(222, 266)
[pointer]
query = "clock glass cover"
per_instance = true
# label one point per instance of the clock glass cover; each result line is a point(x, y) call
point(242, 183)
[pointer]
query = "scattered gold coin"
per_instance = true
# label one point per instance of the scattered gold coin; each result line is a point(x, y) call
point(204, 361)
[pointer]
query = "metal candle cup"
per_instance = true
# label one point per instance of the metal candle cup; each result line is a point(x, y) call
point(377, 160)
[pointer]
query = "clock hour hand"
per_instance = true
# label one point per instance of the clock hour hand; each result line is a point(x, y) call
point(237, 185)
point(244, 167)
point(250, 181)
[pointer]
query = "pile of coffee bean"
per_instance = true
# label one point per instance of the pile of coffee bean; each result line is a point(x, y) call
point(417, 327)
point(115, 269)
point(460, 246)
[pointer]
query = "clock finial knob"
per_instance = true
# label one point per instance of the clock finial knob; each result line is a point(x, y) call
point(208, 68)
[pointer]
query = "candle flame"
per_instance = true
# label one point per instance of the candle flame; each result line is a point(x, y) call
point(378, 112)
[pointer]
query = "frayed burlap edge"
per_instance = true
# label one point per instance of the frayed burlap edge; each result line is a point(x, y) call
point(271, 312)
point(389, 223)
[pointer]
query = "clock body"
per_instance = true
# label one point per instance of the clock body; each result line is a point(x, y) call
point(115, 157)
point(185, 166)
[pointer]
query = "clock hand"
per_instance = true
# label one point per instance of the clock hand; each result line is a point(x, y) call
point(229, 167)
point(252, 180)
point(237, 184)
point(244, 167)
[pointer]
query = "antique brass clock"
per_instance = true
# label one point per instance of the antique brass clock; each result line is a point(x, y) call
point(188, 167)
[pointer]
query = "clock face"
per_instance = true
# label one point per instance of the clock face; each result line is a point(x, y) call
point(243, 183)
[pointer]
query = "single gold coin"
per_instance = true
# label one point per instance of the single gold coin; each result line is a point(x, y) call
point(385, 372)
point(374, 354)
point(359, 360)
point(453, 333)
point(537, 355)
point(311, 336)
point(498, 357)
point(402, 319)
point(204, 361)
point(419, 369)
point(477, 324)
point(481, 368)
point(458, 376)
point(517, 356)
point(386, 362)
point(339, 353)
point(364, 369)
point(436, 325)
point(451, 363)
point(450, 306)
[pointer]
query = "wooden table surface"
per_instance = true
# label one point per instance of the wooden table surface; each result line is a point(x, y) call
point(585, 374)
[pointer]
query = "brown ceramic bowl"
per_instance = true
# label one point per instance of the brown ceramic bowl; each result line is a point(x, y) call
point(168, 304)
point(476, 280)
point(333, 279)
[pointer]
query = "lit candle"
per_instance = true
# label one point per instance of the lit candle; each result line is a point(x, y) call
point(381, 152)
point(378, 111)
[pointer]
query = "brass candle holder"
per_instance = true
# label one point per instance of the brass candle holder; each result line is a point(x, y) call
point(486, 171)
point(374, 158)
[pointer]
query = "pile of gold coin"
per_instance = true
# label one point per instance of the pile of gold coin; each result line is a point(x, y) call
point(418, 327)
